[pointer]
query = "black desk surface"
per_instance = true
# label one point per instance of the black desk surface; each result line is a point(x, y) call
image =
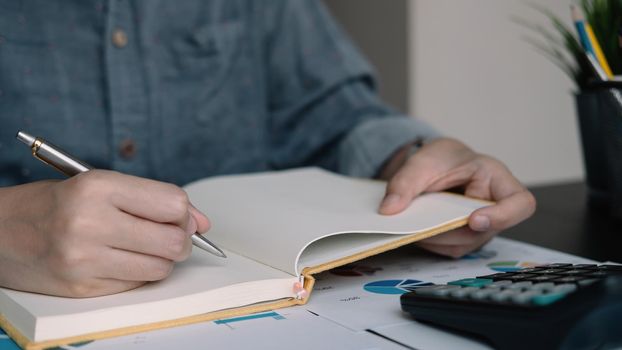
point(563, 221)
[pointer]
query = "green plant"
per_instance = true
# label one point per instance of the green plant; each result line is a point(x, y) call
point(561, 44)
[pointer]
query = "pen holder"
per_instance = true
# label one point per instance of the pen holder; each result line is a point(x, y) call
point(599, 111)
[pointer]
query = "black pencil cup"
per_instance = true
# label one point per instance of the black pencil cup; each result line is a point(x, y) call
point(599, 111)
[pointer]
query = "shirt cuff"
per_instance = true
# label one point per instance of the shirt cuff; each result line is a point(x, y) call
point(366, 148)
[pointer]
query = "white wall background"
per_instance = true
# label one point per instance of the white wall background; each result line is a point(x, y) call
point(474, 76)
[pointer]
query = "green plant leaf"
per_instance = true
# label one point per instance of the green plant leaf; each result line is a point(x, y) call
point(562, 46)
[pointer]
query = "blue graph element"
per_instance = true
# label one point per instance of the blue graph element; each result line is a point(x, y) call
point(480, 254)
point(394, 286)
point(270, 314)
point(511, 266)
point(7, 343)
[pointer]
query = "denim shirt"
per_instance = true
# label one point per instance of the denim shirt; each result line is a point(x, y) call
point(180, 90)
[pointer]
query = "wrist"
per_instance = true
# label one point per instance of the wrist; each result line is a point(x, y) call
point(398, 158)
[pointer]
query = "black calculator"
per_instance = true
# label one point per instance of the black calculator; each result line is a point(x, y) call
point(554, 306)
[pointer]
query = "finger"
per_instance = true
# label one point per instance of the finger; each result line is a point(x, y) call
point(443, 249)
point(460, 175)
point(93, 288)
point(112, 286)
point(149, 199)
point(455, 250)
point(439, 162)
point(138, 235)
point(494, 181)
point(203, 223)
point(505, 213)
point(459, 236)
point(192, 225)
point(129, 266)
point(406, 184)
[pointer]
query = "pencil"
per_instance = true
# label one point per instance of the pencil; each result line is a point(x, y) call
point(598, 51)
point(579, 23)
point(598, 70)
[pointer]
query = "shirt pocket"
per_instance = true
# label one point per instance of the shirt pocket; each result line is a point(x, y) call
point(198, 63)
point(197, 73)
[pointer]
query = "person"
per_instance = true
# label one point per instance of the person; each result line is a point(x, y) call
point(164, 93)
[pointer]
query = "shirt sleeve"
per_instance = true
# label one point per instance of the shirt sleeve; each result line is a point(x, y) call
point(365, 149)
point(322, 102)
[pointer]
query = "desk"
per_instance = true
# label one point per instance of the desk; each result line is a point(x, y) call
point(563, 221)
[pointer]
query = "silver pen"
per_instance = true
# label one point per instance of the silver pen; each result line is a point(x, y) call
point(70, 166)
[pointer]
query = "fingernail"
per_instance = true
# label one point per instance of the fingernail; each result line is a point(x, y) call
point(480, 223)
point(390, 200)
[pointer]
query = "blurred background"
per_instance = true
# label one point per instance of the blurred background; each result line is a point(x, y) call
point(467, 68)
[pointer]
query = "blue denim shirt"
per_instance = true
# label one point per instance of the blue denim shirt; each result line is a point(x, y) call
point(179, 90)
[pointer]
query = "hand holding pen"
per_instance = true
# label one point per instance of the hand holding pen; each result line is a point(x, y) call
point(99, 232)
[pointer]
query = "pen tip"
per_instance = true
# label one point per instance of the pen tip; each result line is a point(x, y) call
point(25, 138)
point(203, 243)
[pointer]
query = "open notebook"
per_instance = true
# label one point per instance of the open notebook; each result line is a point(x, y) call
point(276, 228)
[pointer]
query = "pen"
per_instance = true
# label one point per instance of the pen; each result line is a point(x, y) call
point(70, 166)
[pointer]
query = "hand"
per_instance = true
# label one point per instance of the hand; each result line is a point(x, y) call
point(445, 164)
point(96, 233)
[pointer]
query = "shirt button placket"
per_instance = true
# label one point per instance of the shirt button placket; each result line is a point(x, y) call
point(129, 108)
point(119, 38)
point(127, 149)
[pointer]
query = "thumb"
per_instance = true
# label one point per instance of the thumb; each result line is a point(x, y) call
point(202, 222)
point(403, 187)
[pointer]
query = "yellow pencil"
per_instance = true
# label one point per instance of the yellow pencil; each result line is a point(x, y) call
point(598, 52)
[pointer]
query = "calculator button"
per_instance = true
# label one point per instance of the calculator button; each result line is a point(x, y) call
point(564, 288)
point(484, 293)
point(612, 268)
point(587, 282)
point(555, 265)
point(599, 273)
point(549, 271)
point(530, 269)
point(504, 295)
point(499, 284)
point(471, 282)
point(586, 266)
point(543, 278)
point(525, 297)
point(520, 277)
point(496, 276)
point(547, 299)
point(440, 290)
point(544, 286)
point(569, 279)
point(573, 272)
point(519, 285)
point(462, 292)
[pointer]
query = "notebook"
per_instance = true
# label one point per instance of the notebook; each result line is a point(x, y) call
point(278, 229)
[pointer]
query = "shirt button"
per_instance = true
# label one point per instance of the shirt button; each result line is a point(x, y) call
point(119, 38)
point(127, 149)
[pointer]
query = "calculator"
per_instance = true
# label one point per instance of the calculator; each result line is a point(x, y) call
point(554, 306)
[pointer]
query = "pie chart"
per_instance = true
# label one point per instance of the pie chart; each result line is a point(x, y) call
point(394, 286)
